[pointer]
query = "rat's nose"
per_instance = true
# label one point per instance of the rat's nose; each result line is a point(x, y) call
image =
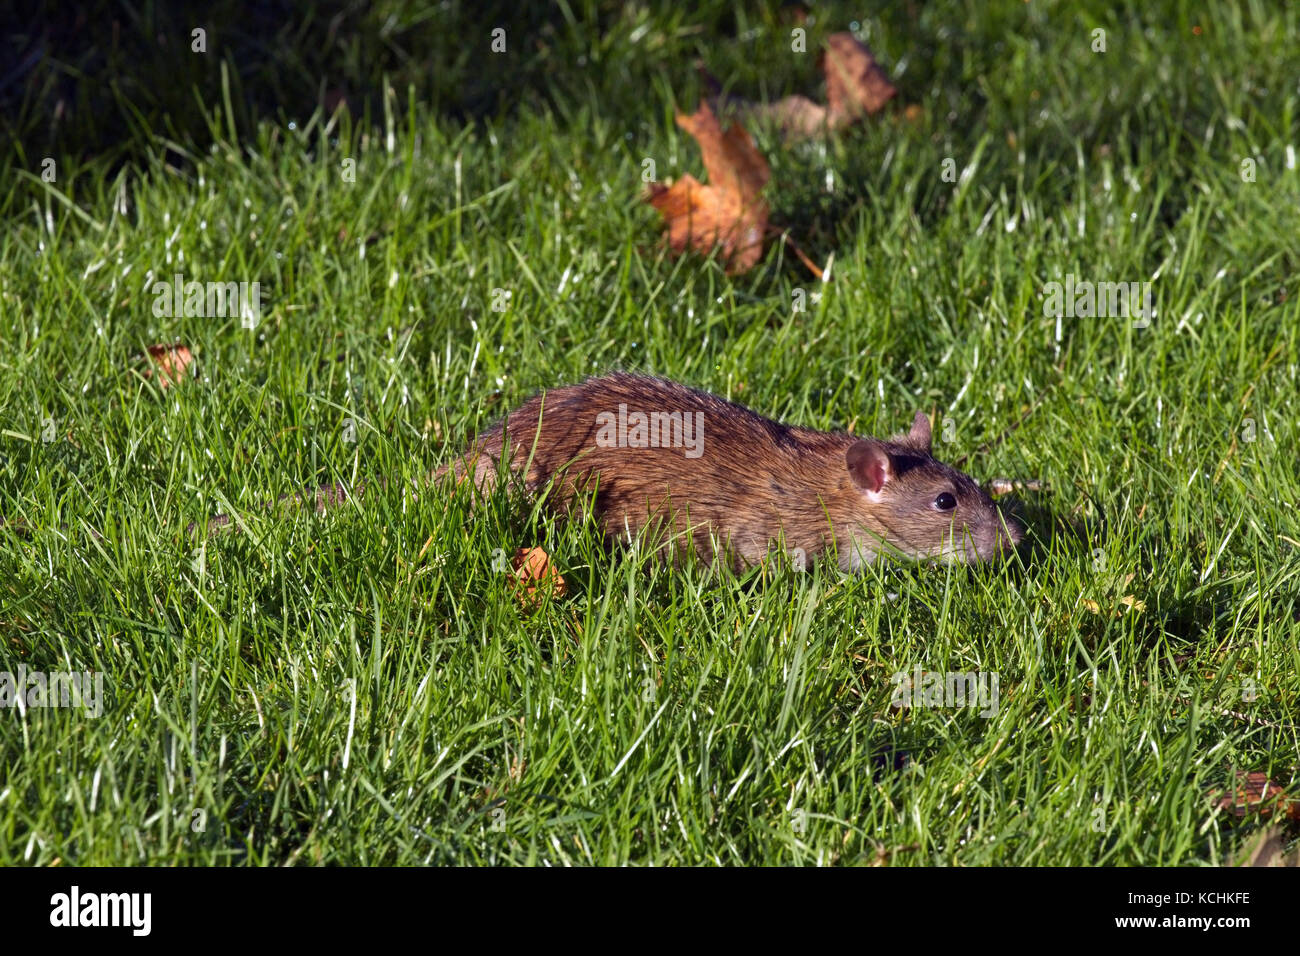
point(1010, 533)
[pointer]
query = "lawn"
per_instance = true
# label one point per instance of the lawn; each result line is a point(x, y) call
point(365, 687)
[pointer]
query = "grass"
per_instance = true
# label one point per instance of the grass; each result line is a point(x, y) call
point(364, 688)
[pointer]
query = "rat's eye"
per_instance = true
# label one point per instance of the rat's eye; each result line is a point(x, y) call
point(945, 502)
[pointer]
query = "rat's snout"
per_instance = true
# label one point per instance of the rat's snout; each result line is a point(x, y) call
point(992, 541)
point(997, 536)
point(1010, 532)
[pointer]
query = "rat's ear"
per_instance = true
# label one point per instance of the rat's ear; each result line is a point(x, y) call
point(869, 465)
point(919, 436)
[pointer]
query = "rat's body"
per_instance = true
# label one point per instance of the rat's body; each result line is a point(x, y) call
point(705, 474)
point(646, 451)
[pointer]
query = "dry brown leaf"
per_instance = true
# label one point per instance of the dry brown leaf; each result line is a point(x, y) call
point(535, 575)
point(728, 213)
point(1256, 792)
point(797, 116)
point(884, 855)
point(856, 86)
point(172, 361)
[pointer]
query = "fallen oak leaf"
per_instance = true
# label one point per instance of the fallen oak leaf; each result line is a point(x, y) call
point(728, 213)
point(534, 575)
point(172, 361)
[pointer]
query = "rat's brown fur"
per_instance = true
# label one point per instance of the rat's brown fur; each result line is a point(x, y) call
point(749, 483)
point(737, 485)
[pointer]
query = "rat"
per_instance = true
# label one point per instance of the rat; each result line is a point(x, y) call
point(709, 475)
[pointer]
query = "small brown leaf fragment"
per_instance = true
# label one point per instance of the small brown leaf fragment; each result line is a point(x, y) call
point(172, 361)
point(856, 86)
point(728, 213)
point(797, 116)
point(1256, 792)
point(534, 576)
point(884, 855)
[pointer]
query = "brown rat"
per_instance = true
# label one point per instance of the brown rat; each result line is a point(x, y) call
point(646, 451)
point(711, 475)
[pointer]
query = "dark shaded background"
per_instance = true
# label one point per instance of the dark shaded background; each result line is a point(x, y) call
point(105, 79)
